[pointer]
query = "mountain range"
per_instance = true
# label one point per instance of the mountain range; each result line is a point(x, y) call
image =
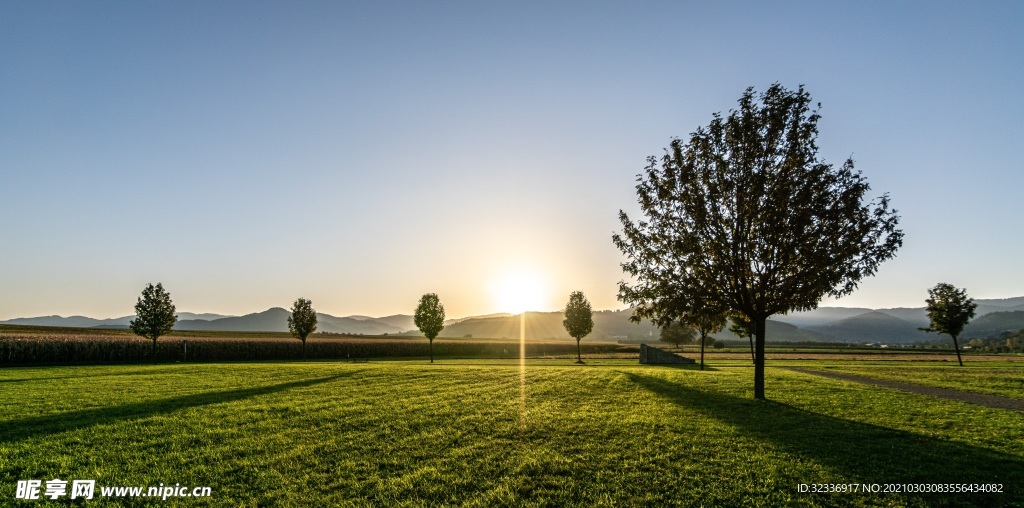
point(839, 324)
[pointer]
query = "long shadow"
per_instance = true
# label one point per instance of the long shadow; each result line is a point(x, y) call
point(25, 428)
point(98, 374)
point(862, 452)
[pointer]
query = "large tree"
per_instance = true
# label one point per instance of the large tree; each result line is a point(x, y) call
point(579, 319)
point(302, 322)
point(745, 217)
point(429, 318)
point(154, 314)
point(949, 310)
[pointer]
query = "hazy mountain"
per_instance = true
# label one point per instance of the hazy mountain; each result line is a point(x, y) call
point(206, 316)
point(482, 316)
point(608, 326)
point(846, 324)
point(276, 320)
point(369, 326)
point(71, 321)
point(270, 320)
point(995, 323)
point(819, 316)
point(873, 326)
point(88, 322)
point(918, 317)
point(777, 331)
point(1015, 303)
point(402, 321)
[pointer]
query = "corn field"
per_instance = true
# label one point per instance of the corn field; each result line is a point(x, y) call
point(22, 349)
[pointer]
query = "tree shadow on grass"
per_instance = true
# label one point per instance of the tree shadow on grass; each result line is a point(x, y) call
point(862, 452)
point(146, 372)
point(25, 428)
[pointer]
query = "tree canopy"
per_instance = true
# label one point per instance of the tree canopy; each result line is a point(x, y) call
point(154, 314)
point(579, 319)
point(746, 217)
point(302, 322)
point(429, 318)
point(949, 311)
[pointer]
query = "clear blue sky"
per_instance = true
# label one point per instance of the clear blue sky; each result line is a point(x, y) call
point(246, 154)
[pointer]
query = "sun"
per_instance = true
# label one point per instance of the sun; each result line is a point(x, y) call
point(518, 291)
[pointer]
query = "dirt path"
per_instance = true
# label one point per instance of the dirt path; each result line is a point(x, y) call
point(943, 393)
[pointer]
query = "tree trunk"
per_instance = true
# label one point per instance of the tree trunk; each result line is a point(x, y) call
point(957, 347)
point(752, 360)
point(303, 348)
point(431, 350)
point(759, 324)
point(703, 339)
point(578, 358)
point(154, 351)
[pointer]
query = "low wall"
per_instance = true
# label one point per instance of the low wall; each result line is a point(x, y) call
point(653, 355)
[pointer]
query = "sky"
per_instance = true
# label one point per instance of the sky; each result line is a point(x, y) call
point(361, 154)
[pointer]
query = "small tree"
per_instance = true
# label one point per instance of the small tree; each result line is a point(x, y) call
point(746, 217)
point(154, 314)
point(949, 310)
point(579, 319)
point(742, 327)
point(705, 322)
point(677, 334)
point(302, 322)
point(429, 318)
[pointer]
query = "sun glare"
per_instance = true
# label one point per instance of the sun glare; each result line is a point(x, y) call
point(519, 291)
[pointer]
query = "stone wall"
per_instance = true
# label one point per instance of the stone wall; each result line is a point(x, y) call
point(653, 355)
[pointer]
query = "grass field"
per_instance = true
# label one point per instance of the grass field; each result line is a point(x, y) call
point(1006, 380)
point(487, 433)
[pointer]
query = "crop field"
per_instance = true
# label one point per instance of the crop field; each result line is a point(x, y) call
point(498, 432)
point(21, 345)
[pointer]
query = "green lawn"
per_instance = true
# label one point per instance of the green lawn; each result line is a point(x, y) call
point(471, 433)
point(1005, 379)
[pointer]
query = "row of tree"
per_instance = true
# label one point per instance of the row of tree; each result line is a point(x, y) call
point(949, 310)
point(155, 316)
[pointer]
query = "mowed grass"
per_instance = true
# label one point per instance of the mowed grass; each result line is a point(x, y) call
point(1003, 379)
point(488, 433)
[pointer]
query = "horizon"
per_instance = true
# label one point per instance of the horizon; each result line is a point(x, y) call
point(248, 154)
point(410, 313)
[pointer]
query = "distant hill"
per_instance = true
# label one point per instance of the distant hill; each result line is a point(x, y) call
point(819, 316)
point(276, 320)
point(328, 323)
point(873, 326)
point(452, 321)
point(87, 322)
point(917, 316)
point(896, 325)
point(70, 321)
point(778, 331)
point(401, 321)
point(609, 325)
point(270, 320)
point(994, 324)
point(1016, 303)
